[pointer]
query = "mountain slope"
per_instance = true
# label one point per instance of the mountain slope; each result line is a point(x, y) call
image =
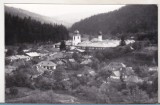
point(43, 19)
point(128, 19)
point(26, 30)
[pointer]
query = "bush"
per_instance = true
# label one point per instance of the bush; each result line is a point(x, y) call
point(60, 74)
point(45, 83)
point(76, 57)
point(74, 82)
point(9, 81)
point(13, 91)
point(142, 71)
point(111, 53)
point(10, 52)
point(139, 45)
point(93, 93)
point(136, 95)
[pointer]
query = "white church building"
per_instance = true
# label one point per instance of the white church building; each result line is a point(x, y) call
point(76, 38)
point(94, 44)
point(100, 36)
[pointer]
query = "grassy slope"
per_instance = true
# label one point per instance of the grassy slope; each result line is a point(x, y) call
point(37, 96)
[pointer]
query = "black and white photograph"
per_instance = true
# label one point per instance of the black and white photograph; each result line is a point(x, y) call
point(81, 53)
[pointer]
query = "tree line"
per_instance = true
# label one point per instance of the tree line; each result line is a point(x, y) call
point(27, 30)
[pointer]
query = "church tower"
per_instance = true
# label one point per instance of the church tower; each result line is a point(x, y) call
point(76, 38)
point(100, 36)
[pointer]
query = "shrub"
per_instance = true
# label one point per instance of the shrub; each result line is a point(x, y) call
point(111, 53)
point(45, 83)
point(136, 95)
point(13, 91)
point(74, 82)
point(10, 52)
point(142, 71)
point(93, 93)
point(60, 74)
point(9, 81)
point(76, 56)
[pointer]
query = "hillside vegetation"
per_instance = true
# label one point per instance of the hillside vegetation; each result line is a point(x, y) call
point(128, 19)
point(27, 30)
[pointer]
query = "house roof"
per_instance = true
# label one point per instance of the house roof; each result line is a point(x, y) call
point(17, 57)
point(71, 60)
point(116, 65)
point(87, 61)
point(41, 69)
point(89, 70)
point(153, 68)
point(33, 54)
point(133, 78)
point(46, 63)
point(116, 73)
point(80, 50)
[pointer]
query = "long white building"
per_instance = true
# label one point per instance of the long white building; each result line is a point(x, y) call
point(95, 43)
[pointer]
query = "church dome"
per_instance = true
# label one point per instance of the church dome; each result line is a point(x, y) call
point(100, 32)
point(76, 32)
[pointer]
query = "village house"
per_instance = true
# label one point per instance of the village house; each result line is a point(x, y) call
point(116, 74)
point(153, 68)
point(71, 60)
point(120, 69)
point(48, 65)
point(86, 61)
point(116, 66)
point(33, 54)
point(89, 72)
point(27, 50)
point(60, 61)
point(133, 79)
point(55, 55)
point(18, 57)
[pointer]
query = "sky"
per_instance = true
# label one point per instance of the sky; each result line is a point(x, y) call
point(66, 13)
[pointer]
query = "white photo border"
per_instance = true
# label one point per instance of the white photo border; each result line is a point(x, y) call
point(83, 2)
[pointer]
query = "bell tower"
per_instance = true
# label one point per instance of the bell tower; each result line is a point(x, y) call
point(100, 36)
point(76, 38)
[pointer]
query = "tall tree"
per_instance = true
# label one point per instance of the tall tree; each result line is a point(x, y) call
point(63, 46)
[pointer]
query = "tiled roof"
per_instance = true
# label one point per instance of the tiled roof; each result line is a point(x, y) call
point(116, 65)
point(17, 57)
point(46, 63)
point(33, 54)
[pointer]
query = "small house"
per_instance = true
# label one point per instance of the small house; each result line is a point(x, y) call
point(18, 57)
point(33, 54)
point(116, 66)
point(49, 65)
point(72, 60)
point(153, 68)
point(87, 61)
point(133, 79)
point(115, 75)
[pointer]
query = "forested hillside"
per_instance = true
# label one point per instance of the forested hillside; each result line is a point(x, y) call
point(18, 30)
point(128, 19)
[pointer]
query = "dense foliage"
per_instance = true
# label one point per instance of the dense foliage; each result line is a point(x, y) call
point(128, 19)
point(18, 30)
